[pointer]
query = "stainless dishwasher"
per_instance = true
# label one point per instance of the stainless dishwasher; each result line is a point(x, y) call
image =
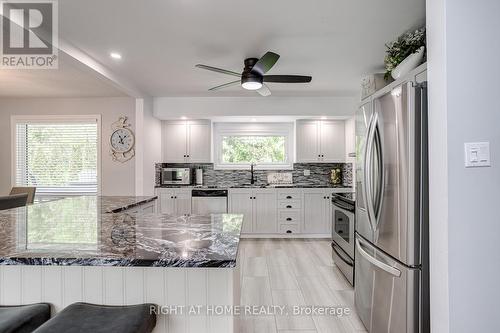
point(208, 201)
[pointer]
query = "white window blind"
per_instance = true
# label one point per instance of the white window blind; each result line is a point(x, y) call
point(59, 157)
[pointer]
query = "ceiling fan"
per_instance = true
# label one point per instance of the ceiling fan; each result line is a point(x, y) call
point(253, 77)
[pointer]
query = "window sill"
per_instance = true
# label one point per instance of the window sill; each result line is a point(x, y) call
point(263, 167)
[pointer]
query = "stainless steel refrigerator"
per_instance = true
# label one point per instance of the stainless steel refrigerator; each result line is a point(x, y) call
point(391, 256)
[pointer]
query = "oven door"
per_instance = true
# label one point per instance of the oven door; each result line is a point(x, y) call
point(343, 229)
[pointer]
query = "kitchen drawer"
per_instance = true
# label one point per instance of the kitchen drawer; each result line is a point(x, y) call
point(289, 215)
point(288, 229)
point(291, 204)
point(288, 195)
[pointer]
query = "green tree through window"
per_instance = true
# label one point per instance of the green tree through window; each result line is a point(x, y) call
point(253, 149)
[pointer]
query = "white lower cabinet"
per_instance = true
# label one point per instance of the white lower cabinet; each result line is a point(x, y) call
point(283, 212)
point(264, 211)
point(175, 201)
point(317, 211)
point(258, 207)
point(241, 202)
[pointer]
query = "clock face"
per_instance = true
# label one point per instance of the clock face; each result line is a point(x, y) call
point(122, 140)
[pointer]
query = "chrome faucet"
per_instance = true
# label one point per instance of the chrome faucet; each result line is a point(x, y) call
point(252, 180)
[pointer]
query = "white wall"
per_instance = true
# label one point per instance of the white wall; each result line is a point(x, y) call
point(465, 225)
point(209, 107)
point(151, 145)
point(116, 178)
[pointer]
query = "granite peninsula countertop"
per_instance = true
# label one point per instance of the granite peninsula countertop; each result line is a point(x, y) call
point(295, 185)
point(81, 231)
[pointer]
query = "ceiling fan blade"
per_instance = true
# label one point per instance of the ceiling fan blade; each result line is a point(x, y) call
point(287, 78)
point(264, 91)
point(225, 85)
point(218, 70)
point(265, 63)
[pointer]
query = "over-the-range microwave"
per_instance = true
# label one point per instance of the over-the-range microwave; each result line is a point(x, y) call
point(176, 176)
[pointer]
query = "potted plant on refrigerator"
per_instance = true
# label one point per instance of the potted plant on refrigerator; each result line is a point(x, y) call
point(405, 53)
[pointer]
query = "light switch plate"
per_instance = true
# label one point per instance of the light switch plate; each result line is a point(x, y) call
point(477, 154)
point(307, 172)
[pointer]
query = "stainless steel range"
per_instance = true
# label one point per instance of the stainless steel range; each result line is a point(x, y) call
point(343, 241)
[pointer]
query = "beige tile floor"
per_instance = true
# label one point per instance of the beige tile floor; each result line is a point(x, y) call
point(294, 272)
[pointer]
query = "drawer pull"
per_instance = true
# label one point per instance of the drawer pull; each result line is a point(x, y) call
point(289, 231)
point(288, 206)
point(288, 218)
point(288, 197)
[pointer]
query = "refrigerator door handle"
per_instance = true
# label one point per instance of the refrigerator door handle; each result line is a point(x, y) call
point(368, 173)
point(380, 180)
point(383, 266)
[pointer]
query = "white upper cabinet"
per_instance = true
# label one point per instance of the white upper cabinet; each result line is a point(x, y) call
point(332, 141)
point(350, 140)
point(308, 141)
point(198, 142)
point(320, 141)
point(174, 142)
point(186, 141)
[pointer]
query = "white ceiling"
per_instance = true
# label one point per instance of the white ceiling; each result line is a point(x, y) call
point(335, 41)
point(72, 79)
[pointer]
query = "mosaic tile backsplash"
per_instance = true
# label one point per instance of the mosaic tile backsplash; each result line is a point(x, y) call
point(320, 174)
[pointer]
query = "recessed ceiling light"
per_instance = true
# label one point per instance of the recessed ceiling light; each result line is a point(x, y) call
point(115, 55)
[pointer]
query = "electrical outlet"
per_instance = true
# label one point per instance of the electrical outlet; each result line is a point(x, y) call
point(307, 172)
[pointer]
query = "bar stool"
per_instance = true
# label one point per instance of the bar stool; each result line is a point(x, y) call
point(93, 318)
point(13, 201)
point(23, 318)
point(30, 190)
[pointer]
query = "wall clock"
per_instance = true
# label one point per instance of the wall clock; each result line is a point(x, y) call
point(122, 140)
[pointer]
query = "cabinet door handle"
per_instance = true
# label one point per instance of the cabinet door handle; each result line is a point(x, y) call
point(288, 206)
point(289, 231)
point(288, 197)
point(288, 218)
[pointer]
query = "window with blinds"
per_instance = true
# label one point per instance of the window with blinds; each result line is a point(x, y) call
point(58, 157)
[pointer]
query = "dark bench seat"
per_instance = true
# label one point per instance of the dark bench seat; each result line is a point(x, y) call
point(23, 318)
point(92, 318)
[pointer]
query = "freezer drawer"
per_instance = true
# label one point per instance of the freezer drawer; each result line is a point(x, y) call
point(343, 262)
point(386, 292)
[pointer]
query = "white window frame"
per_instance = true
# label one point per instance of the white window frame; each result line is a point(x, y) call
point(14, 120)
point(221, 130)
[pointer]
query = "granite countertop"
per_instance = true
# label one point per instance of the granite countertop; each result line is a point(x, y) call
point(295, 185)
point(116, 204)
point(80, 231)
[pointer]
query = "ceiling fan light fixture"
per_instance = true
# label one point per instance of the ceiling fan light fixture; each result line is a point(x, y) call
point(252, 85)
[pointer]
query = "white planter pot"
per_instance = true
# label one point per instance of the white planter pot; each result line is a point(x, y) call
point(411, 62)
